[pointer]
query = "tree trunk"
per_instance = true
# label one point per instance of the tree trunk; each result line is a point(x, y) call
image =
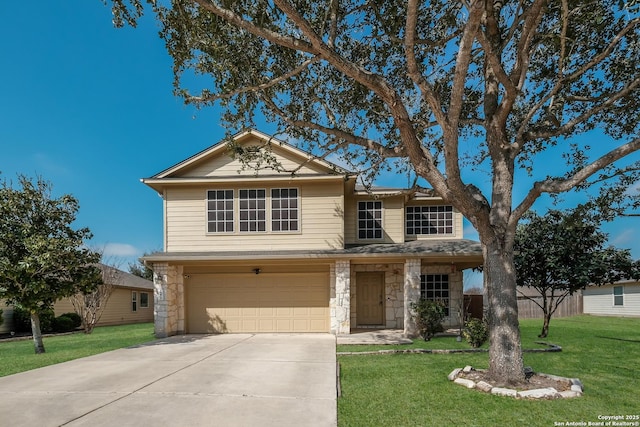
point(37, 334)
point(506, 365)
point(545, 324)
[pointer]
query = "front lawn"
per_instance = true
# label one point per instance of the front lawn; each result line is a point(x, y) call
point(18, 356)
point(413, 390)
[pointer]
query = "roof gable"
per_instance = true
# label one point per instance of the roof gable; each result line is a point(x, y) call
point(218, 161)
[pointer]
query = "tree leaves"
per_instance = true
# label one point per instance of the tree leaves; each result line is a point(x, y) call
point(42, 258)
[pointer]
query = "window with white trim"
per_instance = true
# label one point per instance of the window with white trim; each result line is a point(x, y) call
point(284, 209)
point(618, 295)
point(433, 220)
point(144, 299)
point(220, 211)
point(435, 287)
point(134, 301)
point(370, 220)
point(252, 211)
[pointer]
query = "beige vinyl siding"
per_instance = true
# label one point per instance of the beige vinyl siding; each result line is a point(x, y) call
point(320, 213)
point(223, 165)
point(392, 219)
point(599, 300)
point(118, 310)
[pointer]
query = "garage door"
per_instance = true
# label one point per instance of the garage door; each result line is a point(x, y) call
point(257, 303)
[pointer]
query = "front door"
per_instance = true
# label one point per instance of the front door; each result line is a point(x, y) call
point(369, 298)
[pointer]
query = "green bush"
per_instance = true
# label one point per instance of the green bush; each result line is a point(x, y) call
point(22, 320)
point(475, 332)
point(1, 318)
point(428, 316)
point(63, 324)
point(77, 320)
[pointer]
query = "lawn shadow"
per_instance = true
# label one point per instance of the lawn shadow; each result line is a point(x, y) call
point(617, 339)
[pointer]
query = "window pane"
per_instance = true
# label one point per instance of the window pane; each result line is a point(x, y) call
point(284, 208)
point(435, 287)
point(219, 211)
point(370, 220)
point(252, 210)
point(436, 220)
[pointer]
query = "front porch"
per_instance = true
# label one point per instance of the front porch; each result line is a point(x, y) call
point(378, 296)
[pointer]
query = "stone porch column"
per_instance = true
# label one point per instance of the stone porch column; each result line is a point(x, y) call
point(160, 311)
point(411, 294)
point(168, 298)
point(340, 298)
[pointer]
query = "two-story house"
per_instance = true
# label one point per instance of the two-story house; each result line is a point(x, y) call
point(265, 250)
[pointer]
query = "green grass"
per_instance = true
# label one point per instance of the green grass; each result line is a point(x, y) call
point(413, 390)
point(19, 356)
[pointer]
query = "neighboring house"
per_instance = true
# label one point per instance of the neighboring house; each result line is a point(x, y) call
point(297, 246)
point(617, 299)
point(130, 302)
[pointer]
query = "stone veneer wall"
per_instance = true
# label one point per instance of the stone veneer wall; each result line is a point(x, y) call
point(339, 297)
point(168, 297)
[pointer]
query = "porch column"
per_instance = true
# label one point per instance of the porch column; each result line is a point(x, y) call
point(168, 298)
point(175, 283)
point(160, 311)
point(411, 294)
point(340, 298)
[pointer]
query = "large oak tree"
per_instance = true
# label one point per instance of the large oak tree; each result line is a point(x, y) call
point(440, 86)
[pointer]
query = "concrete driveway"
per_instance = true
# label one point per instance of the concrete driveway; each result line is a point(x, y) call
point(194, 380)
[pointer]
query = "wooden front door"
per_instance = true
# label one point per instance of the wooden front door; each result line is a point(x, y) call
point(369, 298)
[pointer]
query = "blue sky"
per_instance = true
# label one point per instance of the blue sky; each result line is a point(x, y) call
point(90, 108)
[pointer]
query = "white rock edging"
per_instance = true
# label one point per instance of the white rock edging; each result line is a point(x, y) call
point(540, 393)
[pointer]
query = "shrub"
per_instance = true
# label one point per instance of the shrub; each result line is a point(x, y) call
point(428, 316)
point(475, 332)
point(1, 318)
point(63, 324)
point(77, 320)
point(22, 320)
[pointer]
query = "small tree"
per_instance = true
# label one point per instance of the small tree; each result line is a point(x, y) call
point(563, 252)
point(91, 305)
point(42, 258)
point(428, 316)
point(141, 270)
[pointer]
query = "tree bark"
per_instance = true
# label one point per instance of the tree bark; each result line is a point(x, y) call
point(37, 333)
point(545, 324)
point(506, 365)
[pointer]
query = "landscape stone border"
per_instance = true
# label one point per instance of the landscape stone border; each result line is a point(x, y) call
point(540, 393)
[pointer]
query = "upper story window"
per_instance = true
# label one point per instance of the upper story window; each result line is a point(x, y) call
point(284, 209)
point(618, 295)
point(370, 220)
point(253, 211)
point(429, 220)
point(435, 287)
point(220, 211)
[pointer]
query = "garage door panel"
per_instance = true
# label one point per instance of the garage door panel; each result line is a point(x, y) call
point(257, 303)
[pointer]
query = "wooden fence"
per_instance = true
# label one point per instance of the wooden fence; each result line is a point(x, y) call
point(571, 306)
point(527, 309)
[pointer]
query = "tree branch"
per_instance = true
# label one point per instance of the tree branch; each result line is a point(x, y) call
point(561, 185)
point(260, 87)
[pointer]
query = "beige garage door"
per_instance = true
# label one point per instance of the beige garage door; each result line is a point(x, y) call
point(257, 303)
